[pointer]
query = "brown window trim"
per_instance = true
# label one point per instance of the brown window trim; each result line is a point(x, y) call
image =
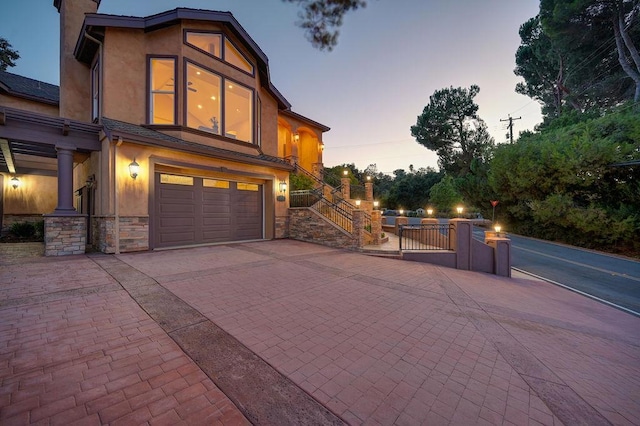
point(222, 50)
point(148, 84)
point(178, 128)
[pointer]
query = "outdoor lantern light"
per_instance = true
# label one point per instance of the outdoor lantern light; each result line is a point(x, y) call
point(15, 182)
point(283, 186)
point(345, 172)
point(401, 212)
point(429, 211)
point(459, 209)
point(296, 137)
point(134, 168)
point(358, 203)
point(321, 146)
point(376, 204)
point(497, 228)
point(368, 178)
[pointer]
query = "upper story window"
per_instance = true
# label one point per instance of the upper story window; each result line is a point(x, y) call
point(218, 105)
point(219, 46)
point(162, 102)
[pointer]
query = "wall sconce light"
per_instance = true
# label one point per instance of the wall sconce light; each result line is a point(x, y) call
point(321, 146)
point(459, 209)
point(358, 202)
point(429, 211)
point(91, 181)
point(296, 136)
point(134, 168)
point(15, 182)
point(376, 204)
point(283, 188)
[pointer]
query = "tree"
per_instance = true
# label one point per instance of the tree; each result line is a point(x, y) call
point(321, 19)
point(444, 196)
point(594, 24)
point(449, 125)
point(8, 56)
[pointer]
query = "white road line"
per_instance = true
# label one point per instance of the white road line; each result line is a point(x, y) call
point(606, 271)
point(591, 296)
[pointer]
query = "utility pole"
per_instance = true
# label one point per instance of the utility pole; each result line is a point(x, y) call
point(511, 120)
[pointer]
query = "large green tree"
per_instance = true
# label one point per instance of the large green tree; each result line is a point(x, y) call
point(450, 126)
point(321, 19)
point(604, 32)
point(8, 56)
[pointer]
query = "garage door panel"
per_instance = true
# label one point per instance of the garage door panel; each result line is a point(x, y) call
point(206, 211)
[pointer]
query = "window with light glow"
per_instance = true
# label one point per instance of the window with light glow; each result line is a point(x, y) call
point(163, 91)
point(211, 44)
point(230, 116)
point(203, 100)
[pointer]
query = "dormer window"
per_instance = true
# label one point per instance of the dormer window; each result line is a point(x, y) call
point(220, 47)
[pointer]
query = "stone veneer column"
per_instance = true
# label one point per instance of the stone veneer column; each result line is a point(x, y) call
point(376, 227)
point(358, 228)
point(65, 235)
point(368, 189)
point(345, 186)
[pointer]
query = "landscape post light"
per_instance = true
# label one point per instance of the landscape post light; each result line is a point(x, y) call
point(497, 229)
point(358, 202)
point(401, 212)
point(459, 209)
point(429, 211)
point(376, 204)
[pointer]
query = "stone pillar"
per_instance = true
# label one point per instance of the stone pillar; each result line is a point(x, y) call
point(318, 170)
point(461, 238)
point(400, 220)
point(368, 191)
point(65, 235)
point(501, 255)
point(358, 228)
point(345, 183)
point(65, 182)
point(376, 227)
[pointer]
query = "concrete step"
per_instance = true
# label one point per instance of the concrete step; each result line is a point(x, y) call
point(392, 254)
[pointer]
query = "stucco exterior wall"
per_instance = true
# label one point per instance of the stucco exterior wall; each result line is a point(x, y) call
point(21, 103)
point(35, 195)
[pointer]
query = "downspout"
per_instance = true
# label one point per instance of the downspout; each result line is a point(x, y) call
point(116, 225)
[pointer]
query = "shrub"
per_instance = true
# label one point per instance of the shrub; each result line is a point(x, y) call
point(23, 229)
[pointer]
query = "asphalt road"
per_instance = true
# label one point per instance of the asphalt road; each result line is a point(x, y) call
point(613, 279)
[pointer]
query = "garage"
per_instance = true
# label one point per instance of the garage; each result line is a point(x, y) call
point(196, 210)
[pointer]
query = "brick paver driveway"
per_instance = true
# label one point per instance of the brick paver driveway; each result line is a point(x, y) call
point(110, 339)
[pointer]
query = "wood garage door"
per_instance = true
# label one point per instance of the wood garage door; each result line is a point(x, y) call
point(193, 210)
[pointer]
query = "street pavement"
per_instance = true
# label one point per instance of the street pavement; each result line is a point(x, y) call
point(285, 332)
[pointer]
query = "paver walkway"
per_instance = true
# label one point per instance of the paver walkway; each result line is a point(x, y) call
point(374, 340)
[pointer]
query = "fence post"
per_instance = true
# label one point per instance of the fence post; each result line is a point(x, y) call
point(399, 233)
point(463, 239)
point(501, 255)
point(376, 227)
point(345, 185)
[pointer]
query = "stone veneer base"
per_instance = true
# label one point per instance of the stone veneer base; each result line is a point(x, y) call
point(65, 235)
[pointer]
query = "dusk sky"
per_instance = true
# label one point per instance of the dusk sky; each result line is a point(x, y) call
point(391, 56)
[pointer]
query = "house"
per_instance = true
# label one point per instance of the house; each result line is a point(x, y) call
point(166, 131)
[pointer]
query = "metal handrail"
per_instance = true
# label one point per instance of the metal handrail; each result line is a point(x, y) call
point(336, 214)
point(426, 236)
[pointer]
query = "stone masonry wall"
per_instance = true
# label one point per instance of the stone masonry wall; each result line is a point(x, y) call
point(134, 233)
point(65, 235)
point(282, 227)
point(307, 225)
point(10, 219)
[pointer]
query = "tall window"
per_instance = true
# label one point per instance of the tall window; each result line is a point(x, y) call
point(218, 105)
point(211, 43)
point(163, 91)
point(95, 91)
point(203, 100)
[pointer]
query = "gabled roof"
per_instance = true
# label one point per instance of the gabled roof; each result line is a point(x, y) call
point(28, 88)
point(95, 24)
point(115, 128)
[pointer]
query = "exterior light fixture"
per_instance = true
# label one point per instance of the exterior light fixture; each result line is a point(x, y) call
point(358, 202)
point(401, 212)
point(134, 168)
point(429, 211)
point(296, 136)
point(459, 209)
point(368, 178)
point(321, 146)
point(376, 204)
point(345, 172)
point(15, 182)
point(283, 186)
point(497, 228)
